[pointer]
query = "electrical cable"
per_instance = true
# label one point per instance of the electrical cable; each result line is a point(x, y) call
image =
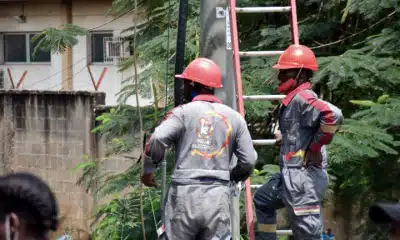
point(58, 84)
point(164, 162)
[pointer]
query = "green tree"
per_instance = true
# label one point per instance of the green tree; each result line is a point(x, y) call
point(356, 42)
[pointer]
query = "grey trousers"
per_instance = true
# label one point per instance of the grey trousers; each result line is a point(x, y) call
point(301, 191)
point(197, 212)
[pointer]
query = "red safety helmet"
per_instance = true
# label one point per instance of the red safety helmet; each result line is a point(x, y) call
point(203, 71)
point(297, 56)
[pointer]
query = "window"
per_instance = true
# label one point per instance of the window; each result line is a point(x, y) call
point(19, 48)
point(15, 48)
point(40, 55)
point(98, 46)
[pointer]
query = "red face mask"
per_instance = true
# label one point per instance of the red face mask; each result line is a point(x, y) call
point(287, 86)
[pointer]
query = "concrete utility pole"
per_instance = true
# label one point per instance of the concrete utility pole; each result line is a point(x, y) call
point(215, 43)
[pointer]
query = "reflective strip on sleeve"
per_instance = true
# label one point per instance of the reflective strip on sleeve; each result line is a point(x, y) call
point(329, 128)
point(160, 231)
point(307, 210)
point(271, 228)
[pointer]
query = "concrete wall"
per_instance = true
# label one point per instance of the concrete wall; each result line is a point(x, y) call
point(49, 76)
point(47, 133)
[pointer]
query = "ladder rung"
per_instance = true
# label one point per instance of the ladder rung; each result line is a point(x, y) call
point(284, 232)
point(262, 9)
point(260, 53)
point(263, 97)
point(264, 142)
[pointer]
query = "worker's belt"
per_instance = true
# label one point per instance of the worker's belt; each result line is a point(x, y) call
point(185, 174)
point(267, 228)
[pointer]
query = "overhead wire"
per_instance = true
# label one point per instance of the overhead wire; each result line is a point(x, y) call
point(65, 80)
point(357, 33)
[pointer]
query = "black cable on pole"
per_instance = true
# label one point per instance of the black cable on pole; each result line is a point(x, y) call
point(164, 162)
point(179, 89)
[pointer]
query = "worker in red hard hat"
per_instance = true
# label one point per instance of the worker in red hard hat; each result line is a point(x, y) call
point(307, 124)
point(206, 133)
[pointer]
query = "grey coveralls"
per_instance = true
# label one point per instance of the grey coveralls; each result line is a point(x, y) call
point(206, 134)
point(307, 124)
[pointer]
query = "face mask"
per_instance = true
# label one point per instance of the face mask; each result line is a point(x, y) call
point(287, 86)
point(9, 235)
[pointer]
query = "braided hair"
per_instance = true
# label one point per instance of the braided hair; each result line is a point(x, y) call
point(31, 199)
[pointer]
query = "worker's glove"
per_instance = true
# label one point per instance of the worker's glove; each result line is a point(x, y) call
point(313, 158)
point(149, 180)
point(278, 138)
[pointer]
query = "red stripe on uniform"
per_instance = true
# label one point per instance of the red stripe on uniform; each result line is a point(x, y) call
point(327, 113)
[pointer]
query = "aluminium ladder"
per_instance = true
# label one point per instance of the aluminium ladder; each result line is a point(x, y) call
point(236, 58)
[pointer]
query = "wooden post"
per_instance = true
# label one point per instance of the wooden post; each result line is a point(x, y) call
point(66, 18)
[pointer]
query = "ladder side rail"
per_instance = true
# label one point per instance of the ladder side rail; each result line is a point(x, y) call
point(236, 57)
point(294, 30)
point(238, 78)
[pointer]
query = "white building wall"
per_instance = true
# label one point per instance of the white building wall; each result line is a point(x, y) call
point(48, 76)
point(38, 18)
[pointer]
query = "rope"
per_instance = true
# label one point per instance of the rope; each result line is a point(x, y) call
point(167, 56)
point(152, 210)
point(165, 109)
point(139, 116)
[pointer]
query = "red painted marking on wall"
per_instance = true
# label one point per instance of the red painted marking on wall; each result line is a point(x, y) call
point(96, 85)
point(11, 78)
point(21, 80)
point(101, 78)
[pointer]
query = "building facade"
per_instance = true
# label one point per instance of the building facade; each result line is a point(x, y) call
point(89, 65)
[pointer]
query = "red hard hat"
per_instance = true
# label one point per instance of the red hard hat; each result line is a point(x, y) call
point(297, 56)
point(203, 71)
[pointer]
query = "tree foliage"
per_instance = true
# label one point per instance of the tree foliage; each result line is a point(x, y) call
point(356, 42)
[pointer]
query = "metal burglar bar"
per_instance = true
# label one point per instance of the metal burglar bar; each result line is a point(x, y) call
point(238, 77)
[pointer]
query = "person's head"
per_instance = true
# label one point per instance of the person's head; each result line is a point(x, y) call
point(296, 66)
point(28, 208)
point(204, 74)
point(329, 231)
point(388, 213)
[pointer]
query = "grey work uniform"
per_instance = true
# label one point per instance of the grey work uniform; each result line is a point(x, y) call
point(307, 124)
point(206, 134)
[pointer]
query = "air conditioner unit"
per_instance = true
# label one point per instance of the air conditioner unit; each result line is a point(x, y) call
point(115, 49)
point(2, 78)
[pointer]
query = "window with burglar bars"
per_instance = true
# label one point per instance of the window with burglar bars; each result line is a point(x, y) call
point(115, 48)
point(1, 79)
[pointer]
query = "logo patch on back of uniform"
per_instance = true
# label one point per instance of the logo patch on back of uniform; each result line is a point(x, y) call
point(205, 145)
